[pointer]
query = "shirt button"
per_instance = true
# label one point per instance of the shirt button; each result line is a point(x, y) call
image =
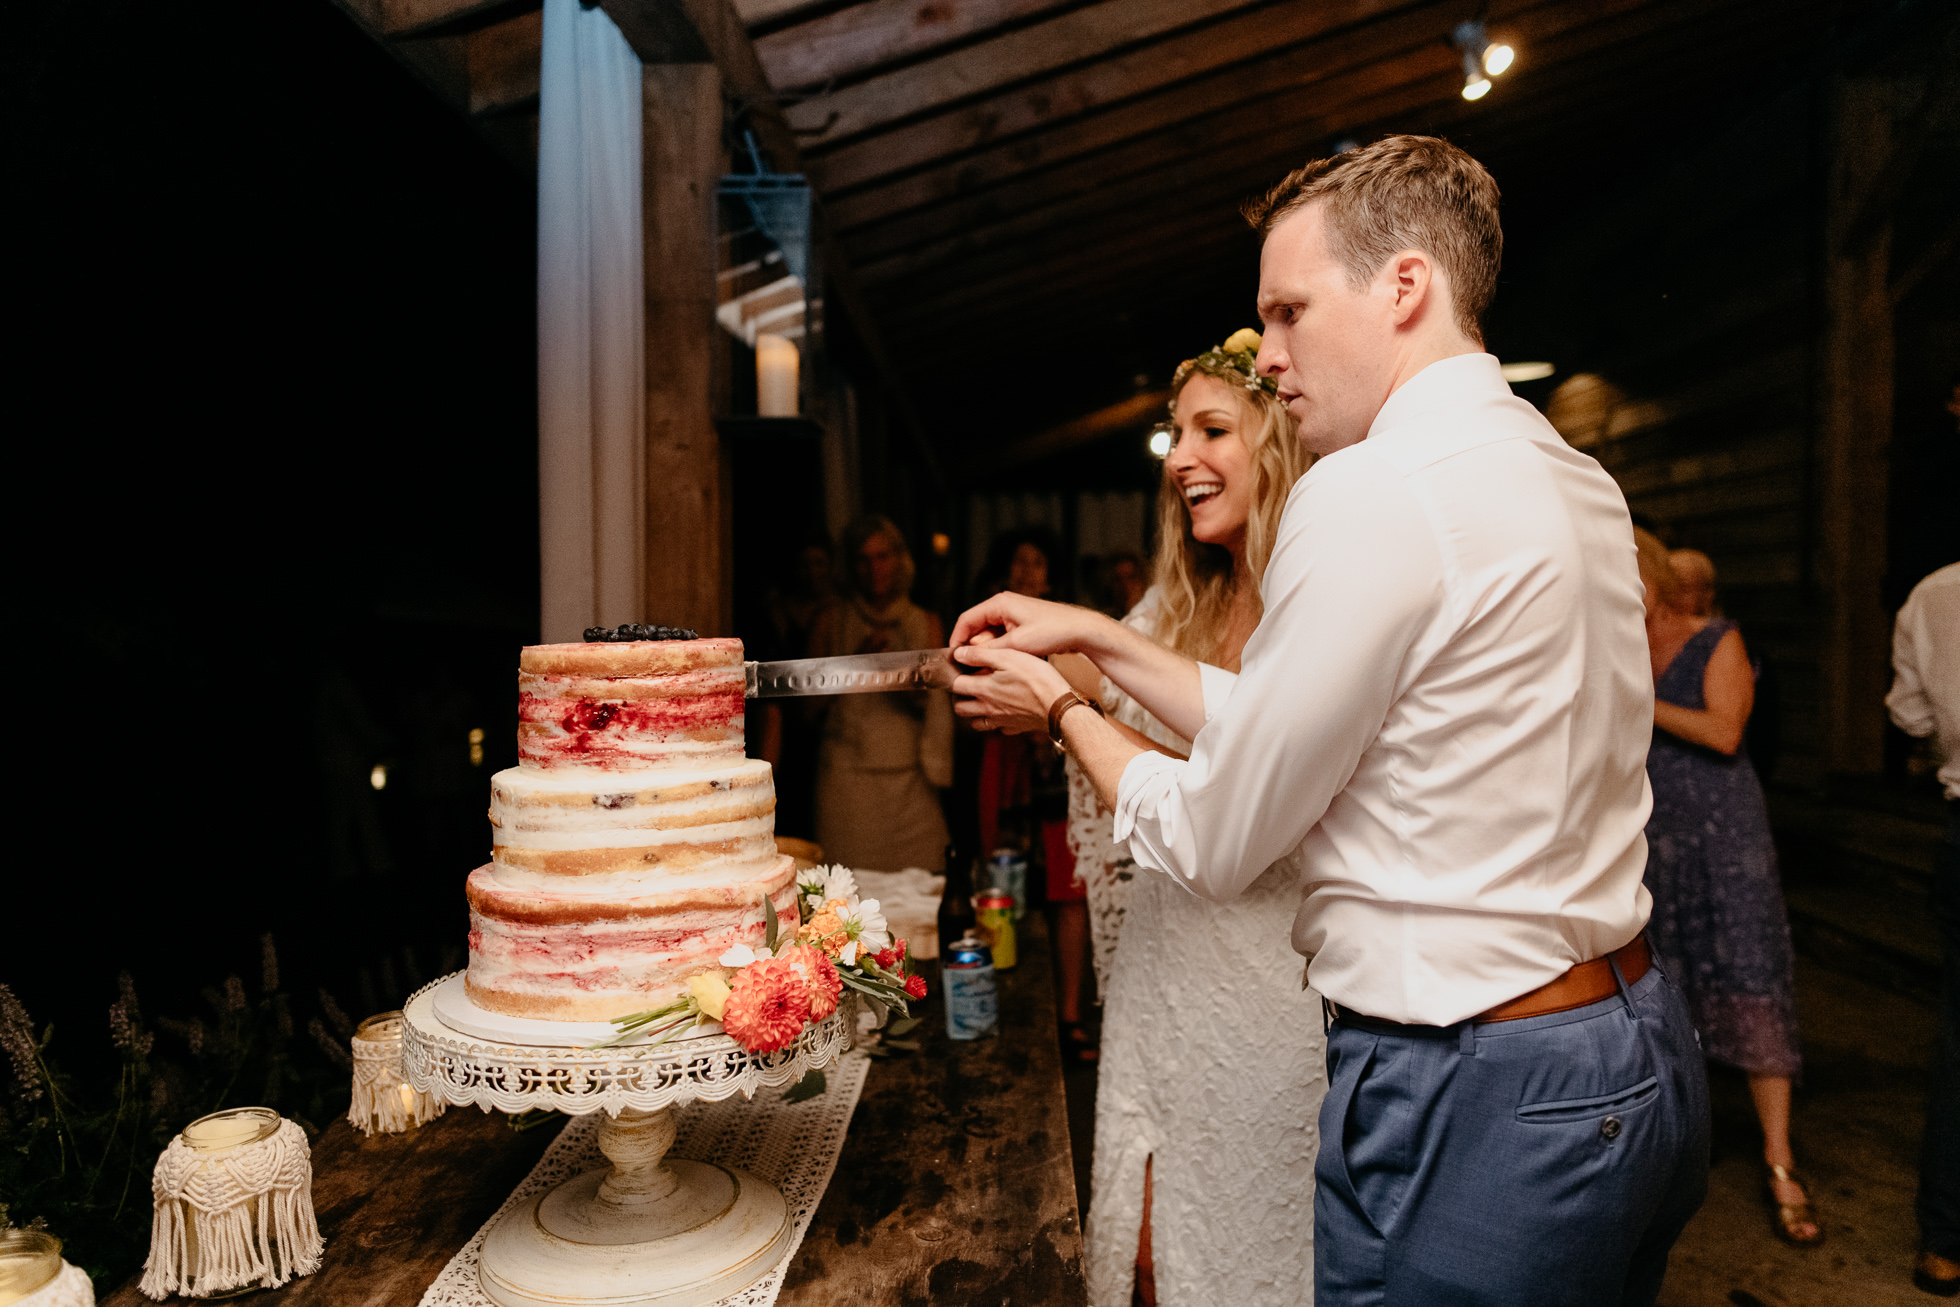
point(1610, 1128)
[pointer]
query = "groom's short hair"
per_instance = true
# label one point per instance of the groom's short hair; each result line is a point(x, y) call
point(1400, 193)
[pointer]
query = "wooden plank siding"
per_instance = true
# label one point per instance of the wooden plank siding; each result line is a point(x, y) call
point(1700, 314)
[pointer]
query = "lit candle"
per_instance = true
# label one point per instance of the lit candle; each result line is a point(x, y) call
point(222, 1130)
point(776, 363)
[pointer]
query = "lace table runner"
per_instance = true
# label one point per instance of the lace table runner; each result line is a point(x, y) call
point(794, 1146)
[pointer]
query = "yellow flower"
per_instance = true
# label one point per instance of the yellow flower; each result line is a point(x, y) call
point(710, 991)
point(1245, 338)
point(823, 923)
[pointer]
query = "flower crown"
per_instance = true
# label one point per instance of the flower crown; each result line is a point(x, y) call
point(1235, 361)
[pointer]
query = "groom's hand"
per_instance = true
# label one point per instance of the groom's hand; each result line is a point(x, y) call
point(1032, 626)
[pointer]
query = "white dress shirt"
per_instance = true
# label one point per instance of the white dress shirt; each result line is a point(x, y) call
point(1445, 711)
point(1925, 697)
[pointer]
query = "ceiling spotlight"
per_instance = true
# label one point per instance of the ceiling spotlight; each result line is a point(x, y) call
point(1527, 371)
point(1481, 60)
point(1160, 442)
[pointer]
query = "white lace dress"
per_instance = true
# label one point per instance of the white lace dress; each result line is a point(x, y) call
point(1213, 1062)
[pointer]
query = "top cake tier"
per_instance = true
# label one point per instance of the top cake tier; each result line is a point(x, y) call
point(620, 707)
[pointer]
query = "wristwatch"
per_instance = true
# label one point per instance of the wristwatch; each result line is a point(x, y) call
point(1069, 699)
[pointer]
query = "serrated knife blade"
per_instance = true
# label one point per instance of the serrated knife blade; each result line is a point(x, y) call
point(910, 669)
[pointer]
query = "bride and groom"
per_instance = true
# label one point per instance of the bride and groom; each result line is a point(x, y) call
point(1394, 712)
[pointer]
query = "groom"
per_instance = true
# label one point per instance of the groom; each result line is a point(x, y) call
point(1446, 707)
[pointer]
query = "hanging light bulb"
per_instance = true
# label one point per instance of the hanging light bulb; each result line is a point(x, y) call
point(1481, 59)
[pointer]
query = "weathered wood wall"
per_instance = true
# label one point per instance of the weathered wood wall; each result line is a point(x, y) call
point(1730, 326)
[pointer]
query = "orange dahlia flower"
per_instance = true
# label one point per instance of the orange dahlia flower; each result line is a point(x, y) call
point(768, 1006)
point(821, 975)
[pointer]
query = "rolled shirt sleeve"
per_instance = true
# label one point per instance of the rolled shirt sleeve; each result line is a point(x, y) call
point(1354, 581)
point(1908, 704)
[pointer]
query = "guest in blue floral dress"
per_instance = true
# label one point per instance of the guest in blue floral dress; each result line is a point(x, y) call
point(1719, 927)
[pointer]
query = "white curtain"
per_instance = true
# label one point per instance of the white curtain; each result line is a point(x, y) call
point(591, 326)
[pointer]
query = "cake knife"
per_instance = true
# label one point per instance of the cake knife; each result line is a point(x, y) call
point(910, 669)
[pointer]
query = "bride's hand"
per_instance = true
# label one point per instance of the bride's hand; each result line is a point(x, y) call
point(1011, 691)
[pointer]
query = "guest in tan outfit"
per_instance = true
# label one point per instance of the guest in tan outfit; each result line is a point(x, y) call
point(884, 757)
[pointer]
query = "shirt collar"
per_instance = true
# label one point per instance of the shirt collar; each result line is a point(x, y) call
point(1447, 383)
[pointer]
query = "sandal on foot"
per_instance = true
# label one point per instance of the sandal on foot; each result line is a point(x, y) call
point(1790, 1218)
point(1937, 1275)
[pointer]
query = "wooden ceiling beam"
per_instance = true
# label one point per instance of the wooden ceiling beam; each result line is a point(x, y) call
point(1165, 155)
point(863, 36)
point(1352, 63)
point(505, 62)
point(1135, 411)
point(1091, 32)
point(1142, 252)
point(1024, 293)
point(1257, 149)
point(1099, 85)
point(393, 19)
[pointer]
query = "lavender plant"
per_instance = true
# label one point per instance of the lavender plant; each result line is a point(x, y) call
point(77, 1159)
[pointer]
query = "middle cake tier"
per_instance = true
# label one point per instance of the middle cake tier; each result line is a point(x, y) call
point(629, 833)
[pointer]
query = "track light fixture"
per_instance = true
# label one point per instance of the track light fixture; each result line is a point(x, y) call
point(1481, 59)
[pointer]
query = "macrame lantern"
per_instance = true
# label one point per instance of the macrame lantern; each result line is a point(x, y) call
point(33, 1274)
point(234, 1207)
point(384, 1102)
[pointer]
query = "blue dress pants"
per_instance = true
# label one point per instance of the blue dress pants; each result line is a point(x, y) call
point(1547, 1161)
point(1939, 1167)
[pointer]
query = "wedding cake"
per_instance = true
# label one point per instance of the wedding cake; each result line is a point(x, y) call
point(633, 843)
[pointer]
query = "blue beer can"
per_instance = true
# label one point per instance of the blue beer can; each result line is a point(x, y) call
point(1008, 870)
point(966, 971)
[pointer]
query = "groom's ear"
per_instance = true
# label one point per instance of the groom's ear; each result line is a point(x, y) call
point(1413, 284)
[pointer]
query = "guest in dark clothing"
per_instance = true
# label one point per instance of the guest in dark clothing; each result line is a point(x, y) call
point(1719, 928)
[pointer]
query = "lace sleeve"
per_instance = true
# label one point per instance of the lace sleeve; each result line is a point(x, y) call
point(1103, 865)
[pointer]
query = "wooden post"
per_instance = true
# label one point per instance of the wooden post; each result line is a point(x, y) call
point(1857, 432)
point(689, 568)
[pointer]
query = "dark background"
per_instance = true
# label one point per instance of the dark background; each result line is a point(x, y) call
point(274, 392)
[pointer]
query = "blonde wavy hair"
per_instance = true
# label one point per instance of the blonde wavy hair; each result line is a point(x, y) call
point(1196, 579)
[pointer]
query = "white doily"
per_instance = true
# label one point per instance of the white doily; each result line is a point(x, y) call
point(794, 1146)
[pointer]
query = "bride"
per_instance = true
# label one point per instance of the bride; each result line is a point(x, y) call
point(1213, 1053)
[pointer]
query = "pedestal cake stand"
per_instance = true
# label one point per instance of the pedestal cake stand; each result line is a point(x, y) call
point(648, 1229)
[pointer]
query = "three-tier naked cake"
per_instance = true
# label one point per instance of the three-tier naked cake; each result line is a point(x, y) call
point(633, 843)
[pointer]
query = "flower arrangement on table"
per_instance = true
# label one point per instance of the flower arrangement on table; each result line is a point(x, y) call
point(763, 997)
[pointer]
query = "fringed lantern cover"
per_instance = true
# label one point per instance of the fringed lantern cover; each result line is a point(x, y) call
point(383, 1100)
point(234, 1217)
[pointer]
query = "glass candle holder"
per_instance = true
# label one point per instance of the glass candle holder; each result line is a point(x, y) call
point(383, 1102)
point(29, 1260)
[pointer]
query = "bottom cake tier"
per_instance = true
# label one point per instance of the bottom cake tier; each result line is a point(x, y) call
point(568, 957)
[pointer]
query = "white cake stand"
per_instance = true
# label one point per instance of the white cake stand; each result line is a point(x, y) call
point(648, 1229)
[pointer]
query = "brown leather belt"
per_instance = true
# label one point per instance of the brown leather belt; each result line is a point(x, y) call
point(1586, 982)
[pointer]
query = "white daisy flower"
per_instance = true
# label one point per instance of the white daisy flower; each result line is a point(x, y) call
point(818, 885)
point(848, 954)
point(741, 955)
point(867, 925)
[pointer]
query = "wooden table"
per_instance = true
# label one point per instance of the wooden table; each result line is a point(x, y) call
point(954, 1185)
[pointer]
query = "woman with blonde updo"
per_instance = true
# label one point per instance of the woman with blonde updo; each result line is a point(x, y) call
point(1213, 1060)
point(883, 757)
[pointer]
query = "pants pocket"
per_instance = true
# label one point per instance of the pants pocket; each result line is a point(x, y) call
point(1560, 1111)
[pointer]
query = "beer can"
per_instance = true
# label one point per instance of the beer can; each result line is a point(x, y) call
point(966, 975)
point(995, 909)
point(1007, 869)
